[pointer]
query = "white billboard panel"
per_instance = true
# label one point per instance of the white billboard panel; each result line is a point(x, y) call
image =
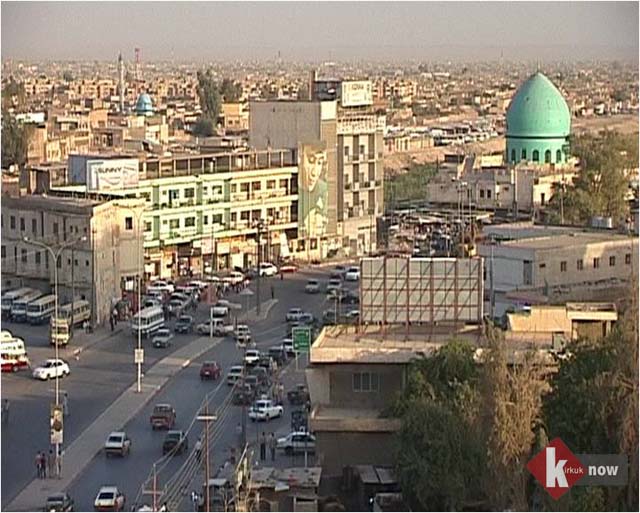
point(112, 174)
point(355, 93)
point(420, 290)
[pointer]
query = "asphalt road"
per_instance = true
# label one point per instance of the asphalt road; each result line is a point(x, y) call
point(102, 374)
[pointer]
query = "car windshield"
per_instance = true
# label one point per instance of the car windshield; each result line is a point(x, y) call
point(115, 438)
point(163, 333)
point(162, 409)
point(105, 496)
point(184, 319)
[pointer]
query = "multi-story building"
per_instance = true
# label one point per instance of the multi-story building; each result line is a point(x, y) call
point(529, 261)
point(95, 269)
point(208, 208)
point(341, 118)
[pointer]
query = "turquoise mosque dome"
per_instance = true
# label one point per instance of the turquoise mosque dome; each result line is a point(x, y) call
point(144, 105)
point(538, 123)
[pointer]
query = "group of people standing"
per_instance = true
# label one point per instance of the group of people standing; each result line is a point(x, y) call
point(269, 442)
point(46, 464)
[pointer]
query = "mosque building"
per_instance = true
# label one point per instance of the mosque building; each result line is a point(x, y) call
point(144, 105)
point(538, 124)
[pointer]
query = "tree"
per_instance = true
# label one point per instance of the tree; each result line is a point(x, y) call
point(230, 90)
point(204, 127)
point(15, 141)
point(594, 403)
point(438, 410)
point(209, 95)
point(601, 185)
point(512, 409)
point(409, 186)
point(13, 94)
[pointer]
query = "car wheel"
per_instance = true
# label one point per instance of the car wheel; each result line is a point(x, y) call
point(288, 451)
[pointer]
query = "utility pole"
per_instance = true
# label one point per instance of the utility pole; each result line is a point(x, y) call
point(73, 290)
point(259, 248)
point(155, 489)
point(206, 418)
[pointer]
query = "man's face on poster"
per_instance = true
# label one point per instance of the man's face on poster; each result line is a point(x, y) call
point(313, 164)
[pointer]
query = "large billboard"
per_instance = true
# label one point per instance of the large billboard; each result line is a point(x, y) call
point(356, 93)
point(313, 191)
point(420, 290)
point(111, 174)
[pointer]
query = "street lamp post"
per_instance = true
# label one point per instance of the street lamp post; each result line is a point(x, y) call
point(206, 417)
point(56, 256)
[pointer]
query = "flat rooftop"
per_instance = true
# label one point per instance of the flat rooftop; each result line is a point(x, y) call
point(566, 240)
point(391, 344)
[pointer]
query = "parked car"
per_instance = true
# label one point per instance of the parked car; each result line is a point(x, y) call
point(307, 318)
point(265, 409)
point(117, 443)
point(349, 298)
point(352, 274)
point(184, 324)
point(234, 278)
point(298, 396)
point(287, 346)
point(251, 356)
point(267, 269)
point(329, 317)
point(278, 354)
point(293, 314)
point(235, 373)
point(288, 268)
point(338, 271)
point(298, 441)
point(109, 498)
point(59, 502)
point(163, 416)
point(161, 285)
point(51, 369)
point(151, 302)
point(210, 370)
point(352, 316)
point(312, 287)
point(163, 338)
point(175, 442)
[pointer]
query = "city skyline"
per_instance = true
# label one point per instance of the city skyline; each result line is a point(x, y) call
point(433, 31)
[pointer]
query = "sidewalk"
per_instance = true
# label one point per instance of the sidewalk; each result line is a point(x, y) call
point(80, 453)
point(82, 341)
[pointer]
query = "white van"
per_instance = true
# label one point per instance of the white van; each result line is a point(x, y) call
point(13, 355)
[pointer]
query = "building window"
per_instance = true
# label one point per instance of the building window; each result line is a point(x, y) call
point(524, 154)
point(38, 257)
point(627, 259)
point(513, 156)
point(22, 224)
point(244, 187)
point(34, 226)
point(536, 156)
point(86, 263)
point(4, 252)
point(147, 226)
point(366, 382)
point(190, 222)
point(189, 193)
point(128, 223)
point(612, 261)
point(75, 261)
point(205, 220)
point(596, 263)
point(547, 157)
point(271, 184)
point(256, 186)
point(543, 265)
point(488, 193)
point(481, 193)
point(558, 156)
point(12, 222)
point(362, 149)
point(580, 264)
point(174, 224)
point(216, 219)
point(283, 183)
point(23, 256)
point(563, 266)
point(346, 151)
point(174, 194)
point(55, 228)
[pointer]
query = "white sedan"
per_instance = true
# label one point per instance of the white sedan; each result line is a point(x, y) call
point(268, 269)
point(298, 441)
point(352, 274)
point(265, 409)
point(109, 498)
point(51, 369)
point(294, 314)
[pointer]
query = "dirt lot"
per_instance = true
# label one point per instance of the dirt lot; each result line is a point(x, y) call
point(623, 123)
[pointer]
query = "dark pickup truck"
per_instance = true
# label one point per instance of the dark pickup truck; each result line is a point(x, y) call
point(163, 416)
point(299, 395)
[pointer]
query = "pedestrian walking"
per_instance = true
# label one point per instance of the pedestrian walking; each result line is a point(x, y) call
point(37, 461)
point(115, 316)
point(198, 450)
point(5, 411)
point(43, 465)
point(263, 447)
point(272, 446)
point(111, 323)
point(65, 404)
point(273, 295)
point(281, 275)
point(51, 464)
point(239, 433)
point(194, 500)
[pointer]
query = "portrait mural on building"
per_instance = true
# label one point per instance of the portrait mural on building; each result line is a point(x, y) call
point(313, 189)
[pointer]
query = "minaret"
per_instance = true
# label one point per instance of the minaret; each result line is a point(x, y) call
point(121, 82)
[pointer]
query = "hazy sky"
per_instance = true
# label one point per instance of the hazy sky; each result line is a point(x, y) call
point(320, 31)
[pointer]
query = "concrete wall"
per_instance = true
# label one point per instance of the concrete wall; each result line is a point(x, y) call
point(283, 124)
point(342, 395)
point(339, 449)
